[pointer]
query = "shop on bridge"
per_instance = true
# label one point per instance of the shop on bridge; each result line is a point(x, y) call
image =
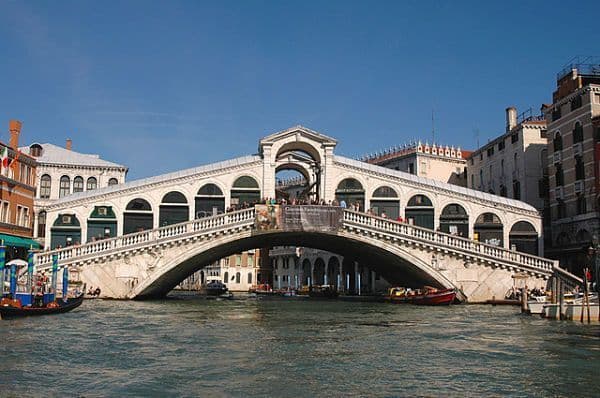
point(489, 229)
point(420, 212)
point(524, 238)
point(102, 224)
point(173, 209)
point(137, 216)
point(350, 191)
point(66, 231)
point(209, 201)
point(245, 192)
point(385, 199)
point(454, 220)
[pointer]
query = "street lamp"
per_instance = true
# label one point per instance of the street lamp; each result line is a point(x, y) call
point(594, 252)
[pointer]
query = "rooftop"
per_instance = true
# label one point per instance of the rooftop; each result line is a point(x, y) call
point(585, 66)
point(56, 155)
point(415, 147)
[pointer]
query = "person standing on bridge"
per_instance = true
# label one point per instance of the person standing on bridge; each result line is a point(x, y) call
point(343, 204)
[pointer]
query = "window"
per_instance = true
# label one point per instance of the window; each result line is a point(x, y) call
point(543, 187)
point(238, 260)
point(45, 185)
point(411, 168)
point(238, 277)
point(5, 213)
point(543, 133)
point(581, 204)
point(514, 138)
point(490, 151)
point(501, 145)
point(113, 181)
point(249, 278)
point(557, 142)
point(576, 103)
point(226, 277)
point(556, 113)
point(22, 216)
point(503, 190)
point(250, 261)
point(502, 167)
point(481, 156)
point(579, 169)
point(473, 181)
point(561, 209)
point(491, 173)
point(577, 133)
point(559, 175)
point(471, 161)
point(516, 190)
point(65, 186)
point(35, 150)
point(78, 184)
point(92, 183)
point(597, 98)
point(481, 178)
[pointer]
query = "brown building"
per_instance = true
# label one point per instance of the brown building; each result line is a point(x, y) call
point(17, 191)
point(573, 160)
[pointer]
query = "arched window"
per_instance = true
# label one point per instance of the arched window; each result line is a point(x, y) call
point(238, 277)
point(45, 186)
point(41, 224)
point(113, 181)
point(249, 278)
point(420, 212)
point(557, 142)
point(92, 183)
point(577, 133)
point(66, 231)
point(454, 220)
point(35, 150)
point(226, 277)
point(65, 186)
point(78, 184)
point(101, 224)
point(559, 175)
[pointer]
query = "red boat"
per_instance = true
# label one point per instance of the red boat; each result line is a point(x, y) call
point(426, 296)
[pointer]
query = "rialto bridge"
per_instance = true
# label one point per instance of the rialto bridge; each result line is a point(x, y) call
point(141, 238)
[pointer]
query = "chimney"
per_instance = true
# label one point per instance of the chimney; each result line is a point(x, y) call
point(14, 126)
point(69, 144)
point(511, 118)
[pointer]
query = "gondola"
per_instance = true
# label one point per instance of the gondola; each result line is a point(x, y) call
point(12, 309)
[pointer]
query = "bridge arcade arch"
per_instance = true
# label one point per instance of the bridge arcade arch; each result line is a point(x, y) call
point(489, 229)
point(524, 238)
point(351, 191)
point(173, 209)
point(138, 216)
point(420, 211)
point(454, 220)
point(244, 191)
point(385, 199)
point(209, 201)
point(65, 231)
point(101, 224)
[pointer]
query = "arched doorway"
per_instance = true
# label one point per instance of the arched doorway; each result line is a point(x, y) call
point(319, 271)
point(523, 238)
point(489, 229)
point(454, 220)
point(101, 224)
point(306, 272)
point(298, 172)
point(419, 211)
point(173, 209)
point(385, 199)
point(137, 216)
point(66, 231)
point(209, 201)
point(333, 272)
point(350, 191)
point(245, 192)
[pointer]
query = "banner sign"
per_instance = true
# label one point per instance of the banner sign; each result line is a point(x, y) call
point(298, 218)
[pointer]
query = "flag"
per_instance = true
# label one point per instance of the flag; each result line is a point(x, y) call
point(4, 158)
point(13, 164)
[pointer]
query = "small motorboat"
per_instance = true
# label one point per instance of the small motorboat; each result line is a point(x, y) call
point(426, 296)
point(213, 288)
point(263, 289)
point(536, 306)
point(322, 291)
point(12, 308)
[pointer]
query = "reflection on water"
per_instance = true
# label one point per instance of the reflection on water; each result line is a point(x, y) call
point(295, 348)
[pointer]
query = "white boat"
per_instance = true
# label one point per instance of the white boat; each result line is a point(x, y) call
point(536, 306)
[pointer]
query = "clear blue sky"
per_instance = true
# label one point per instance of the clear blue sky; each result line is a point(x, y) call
point(161, 87)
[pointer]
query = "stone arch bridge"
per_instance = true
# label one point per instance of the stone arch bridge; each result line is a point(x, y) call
point(141, 238)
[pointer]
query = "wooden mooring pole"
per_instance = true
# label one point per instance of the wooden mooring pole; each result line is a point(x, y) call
point(561, 300)
point(524, 299)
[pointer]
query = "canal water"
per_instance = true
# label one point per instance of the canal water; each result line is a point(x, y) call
point(295, 348)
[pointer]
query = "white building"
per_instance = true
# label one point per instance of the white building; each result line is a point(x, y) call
point(62, 172)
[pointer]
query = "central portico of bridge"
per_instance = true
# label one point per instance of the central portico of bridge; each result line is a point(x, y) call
point(156, 231)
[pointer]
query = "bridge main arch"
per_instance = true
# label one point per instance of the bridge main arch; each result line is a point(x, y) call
point(394, 263)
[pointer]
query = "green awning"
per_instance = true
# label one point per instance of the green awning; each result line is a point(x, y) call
point(18, 241)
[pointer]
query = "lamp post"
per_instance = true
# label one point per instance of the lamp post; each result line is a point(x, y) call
point(594, 264)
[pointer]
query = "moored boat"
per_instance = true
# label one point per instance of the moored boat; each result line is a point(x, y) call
point(427, 296)
point(322, 291)
point(12, 308)
point(263, 289)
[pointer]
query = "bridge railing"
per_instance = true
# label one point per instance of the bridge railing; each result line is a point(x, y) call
point(448, 240)
point(144, 237)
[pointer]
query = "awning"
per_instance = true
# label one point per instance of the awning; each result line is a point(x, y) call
point(18, 241)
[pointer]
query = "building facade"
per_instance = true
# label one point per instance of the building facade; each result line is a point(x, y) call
point(574, 158)
point(17, 192)
point(62, 172)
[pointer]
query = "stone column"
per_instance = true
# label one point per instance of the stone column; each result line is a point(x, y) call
point(373, 276)
point(268, 177)
point(312, 273)
point(35, 223)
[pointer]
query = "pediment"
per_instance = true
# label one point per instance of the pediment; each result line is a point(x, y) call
point(299, 133)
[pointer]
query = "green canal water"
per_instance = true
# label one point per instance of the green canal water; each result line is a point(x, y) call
point(296, 348)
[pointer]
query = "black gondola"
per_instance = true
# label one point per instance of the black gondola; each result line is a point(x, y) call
point(8, 311)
